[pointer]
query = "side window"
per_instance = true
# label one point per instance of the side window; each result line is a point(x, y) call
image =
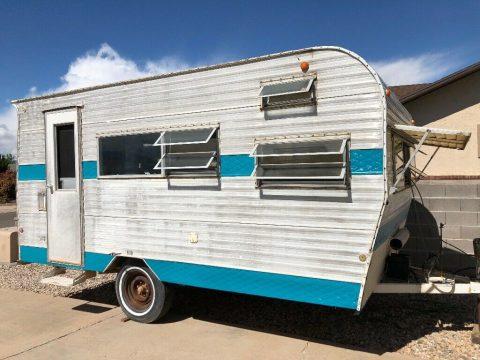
point(128, 155)
point(188, 153)
point(401, 155)
point(311, 163)
point(183, 153)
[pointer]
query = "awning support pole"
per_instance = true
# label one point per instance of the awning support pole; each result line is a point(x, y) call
point(407, 165)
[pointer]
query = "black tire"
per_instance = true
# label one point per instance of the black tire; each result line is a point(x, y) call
point(142, 296)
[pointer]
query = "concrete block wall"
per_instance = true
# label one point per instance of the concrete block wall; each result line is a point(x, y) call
point(456, 204)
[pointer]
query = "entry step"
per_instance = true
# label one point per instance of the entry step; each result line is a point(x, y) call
point(59, 277)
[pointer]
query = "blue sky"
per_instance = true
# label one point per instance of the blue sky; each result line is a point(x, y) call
point(57, 45)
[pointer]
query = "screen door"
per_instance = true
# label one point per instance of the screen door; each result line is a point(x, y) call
point(64, 240)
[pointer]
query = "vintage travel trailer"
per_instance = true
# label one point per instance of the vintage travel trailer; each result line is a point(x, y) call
point(287, 176)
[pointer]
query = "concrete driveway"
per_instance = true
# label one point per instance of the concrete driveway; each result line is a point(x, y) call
point(34, 326)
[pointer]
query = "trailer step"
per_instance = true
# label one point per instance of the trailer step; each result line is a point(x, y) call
point(57, 277)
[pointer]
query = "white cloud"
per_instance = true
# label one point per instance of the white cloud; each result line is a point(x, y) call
point(8, 130)
point(415, 69)
point(93, 68)
point(106, 66)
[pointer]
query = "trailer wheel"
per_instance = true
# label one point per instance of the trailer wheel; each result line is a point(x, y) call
point(141, 295)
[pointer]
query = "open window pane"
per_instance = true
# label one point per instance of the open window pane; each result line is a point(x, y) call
point(319, 172)
point(322, 147)
point(284, 88)
point(288, 94)
point(182, 137)
point(200, 160)
point(192, 152)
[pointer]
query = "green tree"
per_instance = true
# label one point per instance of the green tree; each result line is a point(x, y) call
point(5, 161)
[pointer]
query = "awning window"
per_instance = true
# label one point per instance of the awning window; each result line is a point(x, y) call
point(288, 93)
point(300, 148)
point(184, 137)
point(186, 160)
point(188, 152)
point(316, 163)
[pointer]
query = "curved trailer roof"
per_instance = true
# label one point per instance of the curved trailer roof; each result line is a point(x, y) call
point(206, 68)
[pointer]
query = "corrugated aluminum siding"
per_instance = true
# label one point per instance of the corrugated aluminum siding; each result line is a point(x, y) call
point(318, 237)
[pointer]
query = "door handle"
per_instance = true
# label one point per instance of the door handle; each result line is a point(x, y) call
point(50, 187)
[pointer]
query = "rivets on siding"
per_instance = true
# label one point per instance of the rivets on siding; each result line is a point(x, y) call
point(362, 257)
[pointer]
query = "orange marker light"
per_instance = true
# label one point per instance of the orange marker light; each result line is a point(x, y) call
point(304, 65)
point(388, 92)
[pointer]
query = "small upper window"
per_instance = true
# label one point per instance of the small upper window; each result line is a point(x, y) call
point(288, 94)
point(317, 163)
point(192, 152)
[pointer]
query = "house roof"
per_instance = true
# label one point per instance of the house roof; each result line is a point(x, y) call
point(423, 89)
point(405, 90)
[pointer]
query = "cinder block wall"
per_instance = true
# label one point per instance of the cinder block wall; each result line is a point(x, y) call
point(455, 203)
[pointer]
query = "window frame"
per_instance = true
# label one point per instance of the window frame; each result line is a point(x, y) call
point(283, 180)
point(310, 89)
point(406, 144)
point(163, 175)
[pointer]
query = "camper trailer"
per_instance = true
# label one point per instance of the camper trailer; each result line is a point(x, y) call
point(286, 176)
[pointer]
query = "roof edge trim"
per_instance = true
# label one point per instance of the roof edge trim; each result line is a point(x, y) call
point(195, 70)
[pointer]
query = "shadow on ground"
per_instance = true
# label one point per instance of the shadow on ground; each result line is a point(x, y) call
point(387, 323)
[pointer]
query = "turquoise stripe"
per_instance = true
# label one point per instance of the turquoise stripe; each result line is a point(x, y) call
point(289, 287)
point(236, 165)
point(362, 162)
point(31, 172)
point(366, 162)
point(33, 254)
point(38, 171)
point(92, 261)
point(89, 169)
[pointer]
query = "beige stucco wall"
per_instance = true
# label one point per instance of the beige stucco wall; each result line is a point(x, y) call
point(455, 106)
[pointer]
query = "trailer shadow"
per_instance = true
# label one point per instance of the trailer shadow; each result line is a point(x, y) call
point(387, 323)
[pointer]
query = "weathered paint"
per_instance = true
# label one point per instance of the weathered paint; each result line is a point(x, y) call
point(296, 288)
point(303, 233)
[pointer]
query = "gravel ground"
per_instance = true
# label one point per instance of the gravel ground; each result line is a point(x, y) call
point(421, 326)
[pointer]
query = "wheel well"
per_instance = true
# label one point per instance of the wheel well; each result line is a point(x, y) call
point(120, 261)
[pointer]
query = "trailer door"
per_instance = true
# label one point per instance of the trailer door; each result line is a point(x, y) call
point(64, 240)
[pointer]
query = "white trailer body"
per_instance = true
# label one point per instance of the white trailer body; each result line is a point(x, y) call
point(251, 176)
